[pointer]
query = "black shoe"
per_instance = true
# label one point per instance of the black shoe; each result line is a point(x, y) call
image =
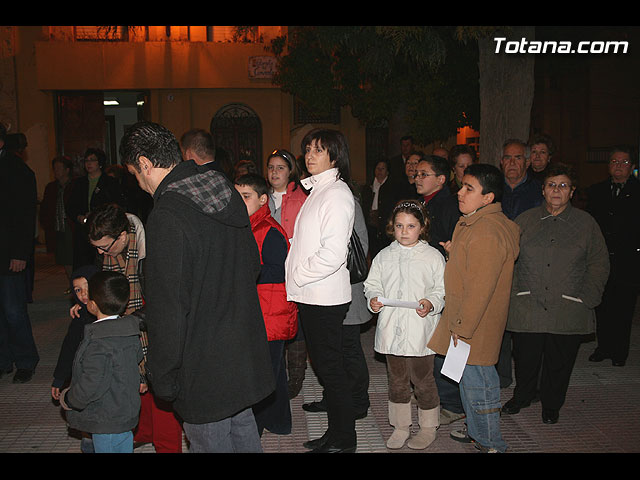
point(5, 371)
point(550, 416)
point(597, 356)
point(318, 442)
point(331, 448)
point(512, 407)
point(360, 416)
point(22, 375)
point(314, 407)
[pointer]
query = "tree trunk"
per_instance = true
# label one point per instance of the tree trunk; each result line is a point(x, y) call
point(506, 92)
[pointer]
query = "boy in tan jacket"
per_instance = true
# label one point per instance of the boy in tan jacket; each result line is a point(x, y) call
point(477, 287)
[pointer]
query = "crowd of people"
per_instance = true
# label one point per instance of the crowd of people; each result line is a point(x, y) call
point(201, 289)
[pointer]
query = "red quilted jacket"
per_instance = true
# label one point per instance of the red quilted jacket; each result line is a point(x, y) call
point(280, 315)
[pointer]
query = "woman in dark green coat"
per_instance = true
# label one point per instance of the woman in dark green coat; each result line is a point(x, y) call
point(558, 281)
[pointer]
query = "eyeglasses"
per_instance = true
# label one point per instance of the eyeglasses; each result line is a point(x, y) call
point(423, 175)
point(106, 249)
point(561, 186)
point(620, 162)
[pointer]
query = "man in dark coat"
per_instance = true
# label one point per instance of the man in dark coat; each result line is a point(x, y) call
point(521, 192)
point(397, 163)
point(18, 200)
point(208, 352)
point(614, 203)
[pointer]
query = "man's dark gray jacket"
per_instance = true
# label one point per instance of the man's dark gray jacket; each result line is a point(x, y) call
point(208, 352)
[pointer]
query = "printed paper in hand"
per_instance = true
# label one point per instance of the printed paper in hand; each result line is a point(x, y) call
point(456, 360)
point(399, 303)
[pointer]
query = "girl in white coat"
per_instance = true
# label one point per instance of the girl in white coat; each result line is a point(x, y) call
point(408, 270)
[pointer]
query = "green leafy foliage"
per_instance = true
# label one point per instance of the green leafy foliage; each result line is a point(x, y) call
point(427, 72)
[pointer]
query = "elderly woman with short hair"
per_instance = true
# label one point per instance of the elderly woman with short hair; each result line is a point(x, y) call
point(558, 280)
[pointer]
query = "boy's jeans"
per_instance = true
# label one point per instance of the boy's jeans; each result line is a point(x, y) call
point(113, 442)
point(480, 395)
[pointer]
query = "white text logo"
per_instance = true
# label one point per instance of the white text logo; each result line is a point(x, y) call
point(552, 46)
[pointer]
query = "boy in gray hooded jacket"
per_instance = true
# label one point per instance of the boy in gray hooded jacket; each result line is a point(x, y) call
point(104, 397)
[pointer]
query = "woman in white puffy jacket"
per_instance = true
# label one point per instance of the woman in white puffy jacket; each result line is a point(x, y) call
point(408, 270)
point(318, 281)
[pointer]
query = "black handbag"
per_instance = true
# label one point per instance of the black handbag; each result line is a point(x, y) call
point(357, 260)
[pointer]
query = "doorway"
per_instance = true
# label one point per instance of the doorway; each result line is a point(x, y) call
point(96, 119)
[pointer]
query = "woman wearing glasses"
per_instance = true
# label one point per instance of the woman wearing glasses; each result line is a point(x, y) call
point(557, 283)
point(119, 239)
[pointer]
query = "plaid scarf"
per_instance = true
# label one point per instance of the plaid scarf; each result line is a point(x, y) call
point(127, 264)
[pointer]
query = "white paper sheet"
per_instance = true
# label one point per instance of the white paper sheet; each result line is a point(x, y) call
point(456, 359)
point(399, 303)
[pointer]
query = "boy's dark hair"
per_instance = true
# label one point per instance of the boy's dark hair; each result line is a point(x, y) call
point(439, 165)
point(107, 220)
point(255, 181)
point(110, 292)
point(489, 177)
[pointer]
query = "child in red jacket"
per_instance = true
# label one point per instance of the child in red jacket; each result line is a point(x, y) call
point(280, 316)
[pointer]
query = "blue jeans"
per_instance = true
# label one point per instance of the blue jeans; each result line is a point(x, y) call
point(17, 346)
point(235, 434)
point(448, 390)
point(480, 395)
point(113, 442)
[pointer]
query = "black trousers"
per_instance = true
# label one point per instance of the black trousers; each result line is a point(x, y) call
point(550, 356)
point(356, 365)
point(323, 334)
point(614, 316)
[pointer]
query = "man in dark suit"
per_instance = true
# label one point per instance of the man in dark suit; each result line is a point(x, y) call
point(614, 203)
point(396, 164)
point(18, 200)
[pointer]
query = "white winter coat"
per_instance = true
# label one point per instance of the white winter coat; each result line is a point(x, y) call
point(406, 274)
point(316, 269)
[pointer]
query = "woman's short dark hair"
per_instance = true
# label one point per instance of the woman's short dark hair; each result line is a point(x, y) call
point(556, 169)
point(462, 149)
point(108, 220)
point(543, 138)
point(336, 145)
point(99, 154)
point(489, 177)
point(153, 141)
point(411, 207)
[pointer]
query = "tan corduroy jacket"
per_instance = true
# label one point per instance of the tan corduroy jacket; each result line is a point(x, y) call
point(477, 282)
